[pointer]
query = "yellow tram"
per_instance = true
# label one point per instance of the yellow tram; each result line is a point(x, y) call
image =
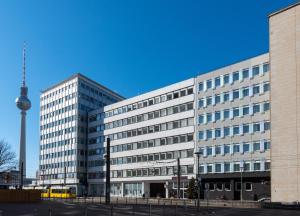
point(59, 192)
point(63, 192)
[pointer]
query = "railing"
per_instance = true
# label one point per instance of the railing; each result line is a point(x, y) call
point(162, 202)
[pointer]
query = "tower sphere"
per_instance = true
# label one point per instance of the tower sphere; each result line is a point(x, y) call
point(23, 103)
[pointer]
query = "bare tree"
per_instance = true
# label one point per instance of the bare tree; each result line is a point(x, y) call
point(7, 157)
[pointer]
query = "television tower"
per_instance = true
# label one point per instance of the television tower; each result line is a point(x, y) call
point(24, 104)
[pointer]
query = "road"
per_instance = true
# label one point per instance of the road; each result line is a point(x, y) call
point(55, 208)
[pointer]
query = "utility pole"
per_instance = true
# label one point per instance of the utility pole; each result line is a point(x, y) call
point(178, 178)
point(65, 177)
point(107, 188)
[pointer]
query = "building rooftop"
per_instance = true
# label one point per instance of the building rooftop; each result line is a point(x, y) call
point(284, 9)
point(79, 75)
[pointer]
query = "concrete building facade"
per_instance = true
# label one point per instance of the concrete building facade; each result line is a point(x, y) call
point(63, 129)
point(285, 91)
point(148, 133)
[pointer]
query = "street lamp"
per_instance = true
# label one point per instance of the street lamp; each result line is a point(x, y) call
point(242, 169)
point(198, 153)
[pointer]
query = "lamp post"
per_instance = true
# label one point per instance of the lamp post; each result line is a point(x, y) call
point(198, 153)
point(242, 169)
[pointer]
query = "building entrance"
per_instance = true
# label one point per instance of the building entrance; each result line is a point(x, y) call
point(157, 190)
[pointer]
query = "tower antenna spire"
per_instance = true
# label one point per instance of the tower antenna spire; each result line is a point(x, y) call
point(24, 65)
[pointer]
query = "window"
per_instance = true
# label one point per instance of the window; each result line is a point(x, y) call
point(200, 87)
point(226, 149)
point(200, 103)
point(256, 166)
point(236, 167)
point(245, 110)
point(246, 166)
point(200, 119)
point(226, 167)
point(267, 165)
point(256, 127)
point(208, 101)
point(256, 89)
point(226, 78)
point(248, 186)
point(190, 91)
point(217, 132)
point(226, 114)
point(209, 168)
point(246, 147)
point(256, 108)
point(236, 94)
point(217, 150)
point(217, 115)
point(217, 82)
point(227, 186)
point(246, 128)
point(266, 126)
point(266, 67)
point(209, 151)
point(245, 92)
point(236, 76)
point(256, 146)
point(218, 169)
point(208, 117)
point(255, 70)
point(266, 145)
point(208, 84)
point(236, 130)
point(226, 131)
point(226, 97)
point(208, 134)
point(236, 112)
point(266, 106)
point(266, 87)
point(236, 148)
point(217, 99)
point(245, 73)
point(201, 135)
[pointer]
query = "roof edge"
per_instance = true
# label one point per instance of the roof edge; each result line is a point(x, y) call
point(284, 9)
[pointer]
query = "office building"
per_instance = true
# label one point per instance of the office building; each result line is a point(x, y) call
point(63, 129)
point(242, 119)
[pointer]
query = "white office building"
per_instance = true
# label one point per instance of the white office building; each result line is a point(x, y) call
point(148, 133)
point(63, 129)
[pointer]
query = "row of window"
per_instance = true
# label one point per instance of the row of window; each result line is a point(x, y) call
point(245, 147)
point(58, 122)
point(152, 143)
point(236, 166)
point(232, 77)
point(58, 144)
point(58, 133)
point(152, 129)
point(96, 92)
point(92, 100)
point(234, 112)
point(226, 186)
point(57, 112)
point(58, 165)
point(147, 102)
point(57, 176)
point(188, 153)
point(144, 144)
point(242, 129)
point(143, 117)
point(58, 154)
point(58, 101)
point(233, 95)
point(52, 94)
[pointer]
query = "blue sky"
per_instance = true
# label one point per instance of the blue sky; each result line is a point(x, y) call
point(129, 46)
